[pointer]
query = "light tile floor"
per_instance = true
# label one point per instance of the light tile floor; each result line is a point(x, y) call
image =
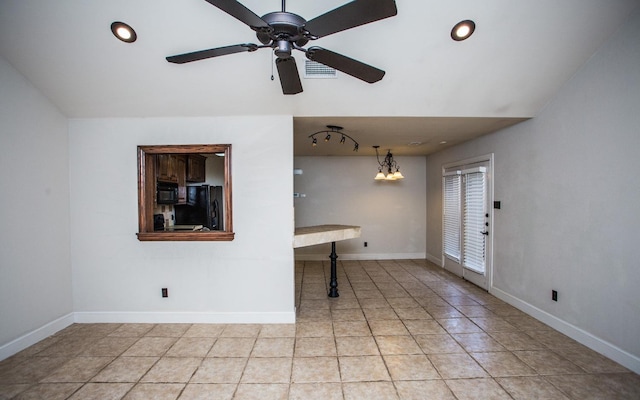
point(401, 329)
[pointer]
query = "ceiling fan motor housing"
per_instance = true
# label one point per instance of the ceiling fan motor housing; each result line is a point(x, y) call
point(286, 27)
point(283, 50)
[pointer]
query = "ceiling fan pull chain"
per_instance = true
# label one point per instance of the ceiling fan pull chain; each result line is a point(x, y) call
point(272, 62)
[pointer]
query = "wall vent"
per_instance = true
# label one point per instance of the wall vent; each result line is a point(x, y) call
point(315, 70)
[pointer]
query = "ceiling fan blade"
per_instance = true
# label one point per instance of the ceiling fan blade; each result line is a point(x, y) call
point(289, 77)
point(242, 13)
point(350, 15)
point(218, 51)
point(345, 64)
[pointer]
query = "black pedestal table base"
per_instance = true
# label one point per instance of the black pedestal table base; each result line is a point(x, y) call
point(314, 235)
point(333, 291)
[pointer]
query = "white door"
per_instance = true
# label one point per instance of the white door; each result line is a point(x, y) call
point(466, 233)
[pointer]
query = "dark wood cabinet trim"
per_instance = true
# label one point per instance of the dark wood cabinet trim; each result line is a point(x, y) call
point(212, 236)
point(147, 191)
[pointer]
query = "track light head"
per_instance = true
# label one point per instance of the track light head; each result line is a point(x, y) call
point(333, 129)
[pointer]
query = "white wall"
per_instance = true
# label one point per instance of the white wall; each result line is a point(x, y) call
point(118, 278)
point(35, 269)
point(341, 190)
point(570, 191)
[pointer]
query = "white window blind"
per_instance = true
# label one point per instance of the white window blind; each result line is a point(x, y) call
point(474, 219)
point(452, 215)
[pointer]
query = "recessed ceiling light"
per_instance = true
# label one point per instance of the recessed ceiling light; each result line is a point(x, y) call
point(414, 143)
point(123, 32)
point(462, 30)
point(443, 142)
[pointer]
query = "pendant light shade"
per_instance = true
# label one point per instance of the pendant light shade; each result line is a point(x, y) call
point(389, 165)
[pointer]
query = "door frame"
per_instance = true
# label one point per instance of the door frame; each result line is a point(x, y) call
point(489, 159)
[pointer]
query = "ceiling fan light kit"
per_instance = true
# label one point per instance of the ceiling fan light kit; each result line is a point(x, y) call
point(284, 32)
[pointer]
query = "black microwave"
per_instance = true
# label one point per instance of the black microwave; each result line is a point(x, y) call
point(167, 193)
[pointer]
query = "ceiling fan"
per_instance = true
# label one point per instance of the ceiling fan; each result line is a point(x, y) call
point(284, 31)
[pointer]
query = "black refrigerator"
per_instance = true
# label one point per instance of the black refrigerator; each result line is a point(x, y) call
point(204, 207)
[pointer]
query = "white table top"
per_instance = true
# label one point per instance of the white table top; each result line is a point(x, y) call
point(312, 235)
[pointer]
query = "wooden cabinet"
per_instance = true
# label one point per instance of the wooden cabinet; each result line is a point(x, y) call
point(181, 172)
point(166, 168)
point(180, 169)
point(196, 168)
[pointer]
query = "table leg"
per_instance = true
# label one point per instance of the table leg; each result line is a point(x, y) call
point(333, 291)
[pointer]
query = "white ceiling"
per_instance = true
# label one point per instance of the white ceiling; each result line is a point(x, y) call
point(434, 89)
point(409, 136)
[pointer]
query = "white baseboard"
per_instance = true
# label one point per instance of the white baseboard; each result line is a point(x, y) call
point(360, 256)
point(33, 337)
point(605, 348)
point(437, 261)
point(187, 317)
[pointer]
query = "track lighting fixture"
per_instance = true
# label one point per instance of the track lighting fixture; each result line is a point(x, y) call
point(333, 129)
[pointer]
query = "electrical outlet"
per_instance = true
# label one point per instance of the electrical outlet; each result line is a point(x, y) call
point(554, 295)
point(365, 244)
point(165, 292)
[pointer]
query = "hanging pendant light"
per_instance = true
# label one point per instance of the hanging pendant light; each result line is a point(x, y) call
point(388, 165)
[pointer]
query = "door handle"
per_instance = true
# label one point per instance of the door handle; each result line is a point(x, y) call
point(485, 233)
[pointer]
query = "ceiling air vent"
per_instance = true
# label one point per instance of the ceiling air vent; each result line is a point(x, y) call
point(315, 70)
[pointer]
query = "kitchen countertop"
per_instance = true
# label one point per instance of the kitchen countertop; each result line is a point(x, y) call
point(184, 228)
point(312, 235)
